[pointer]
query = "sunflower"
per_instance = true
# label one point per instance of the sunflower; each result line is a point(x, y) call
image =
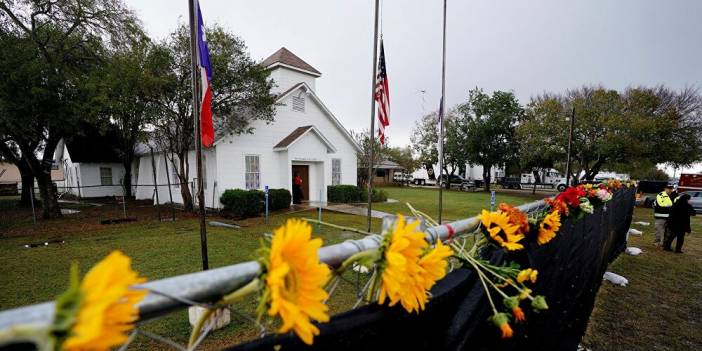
point(548, 227)
point(501, 231)
point(434, 264)
point(527, 274)
point(401, 277)
point(107, 305)
point(295, 279)
point(516, 217)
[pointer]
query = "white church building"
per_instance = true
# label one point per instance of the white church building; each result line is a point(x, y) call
point(305, 138)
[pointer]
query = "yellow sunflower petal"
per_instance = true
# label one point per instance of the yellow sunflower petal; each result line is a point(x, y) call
point(295, 280)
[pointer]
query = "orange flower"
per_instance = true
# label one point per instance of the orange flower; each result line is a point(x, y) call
point(557, 205)
point(516, 217)
point(518, 314)
point(501, 320)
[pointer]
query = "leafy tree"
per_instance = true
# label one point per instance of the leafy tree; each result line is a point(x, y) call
point(654, 125)
point(403, 157)
point(455, 158)
point(381, 152)
point(425, 137)
point(50, 63)
point(133, 78)
point(240, 95)
point(487, 125)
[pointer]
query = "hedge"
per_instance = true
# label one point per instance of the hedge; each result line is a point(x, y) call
point(344, 193)
point(352, 193)
point(242, 203)
point(279, 199)
point(378, 196)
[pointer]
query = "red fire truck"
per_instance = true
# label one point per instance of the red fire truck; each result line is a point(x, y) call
point(690, 182)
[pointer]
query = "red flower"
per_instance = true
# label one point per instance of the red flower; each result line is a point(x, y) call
point(571, 196)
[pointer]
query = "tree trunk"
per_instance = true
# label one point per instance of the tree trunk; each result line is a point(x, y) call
point(184, 186)
point(27, 184)
point(127, 181)
point(42, 172)
point(486, 176)
point(49, 200)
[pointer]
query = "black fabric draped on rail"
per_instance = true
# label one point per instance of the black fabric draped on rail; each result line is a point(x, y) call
point(570, 274)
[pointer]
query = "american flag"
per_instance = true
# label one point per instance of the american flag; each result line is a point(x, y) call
point(382, 95)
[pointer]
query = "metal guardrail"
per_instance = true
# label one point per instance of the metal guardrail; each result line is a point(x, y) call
point(179, 292)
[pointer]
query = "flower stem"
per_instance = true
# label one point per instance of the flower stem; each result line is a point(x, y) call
point(355, 258)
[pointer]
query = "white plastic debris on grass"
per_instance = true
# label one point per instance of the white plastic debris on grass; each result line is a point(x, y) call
point(642, 223)
point(359, 268)
point(615, 279)
point(633, 231)
point(634, 251)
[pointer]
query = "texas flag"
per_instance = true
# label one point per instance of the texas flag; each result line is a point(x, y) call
point(203, 58)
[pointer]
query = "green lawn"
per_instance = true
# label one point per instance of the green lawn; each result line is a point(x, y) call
point(661, 308)
point(457, 204)
point(163, 249)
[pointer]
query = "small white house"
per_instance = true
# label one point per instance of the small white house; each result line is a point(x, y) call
point(305, 138)
point(90, 164)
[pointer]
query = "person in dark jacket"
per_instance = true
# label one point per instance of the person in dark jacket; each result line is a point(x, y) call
point(679, 222)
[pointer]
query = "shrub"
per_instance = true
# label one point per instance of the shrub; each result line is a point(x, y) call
point(344, 193)
point(279, 199)
point(242, 203)
point(378, 196)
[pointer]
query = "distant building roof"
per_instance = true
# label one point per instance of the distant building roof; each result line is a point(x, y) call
point(285, 57)
point(387, 164)
point(94, 147)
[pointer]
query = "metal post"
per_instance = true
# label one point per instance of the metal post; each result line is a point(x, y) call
point(441, 126)
point(31, 200)
point(570, 143)
point(214, 193)
point(492, 200)
point(372, 124)
point(153, 172)
point(124, 206)
point(168, 179)
point(266, 198)
point(192, 4)
point(319, 213)
point(78, 182)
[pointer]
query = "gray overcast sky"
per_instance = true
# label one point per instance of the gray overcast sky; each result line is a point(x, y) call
point(525, 46)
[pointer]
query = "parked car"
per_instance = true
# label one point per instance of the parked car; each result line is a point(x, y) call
point(695, 200)
point(510, 182)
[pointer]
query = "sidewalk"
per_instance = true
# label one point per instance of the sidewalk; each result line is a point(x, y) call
point(355, 210)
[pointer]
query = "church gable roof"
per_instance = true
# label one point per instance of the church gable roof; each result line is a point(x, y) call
point(297, 134)
point(286, 58)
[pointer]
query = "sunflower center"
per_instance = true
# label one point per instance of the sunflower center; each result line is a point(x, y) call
point(290, 291)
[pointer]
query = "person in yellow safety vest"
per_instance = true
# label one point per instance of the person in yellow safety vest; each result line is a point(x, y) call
point(661, 212)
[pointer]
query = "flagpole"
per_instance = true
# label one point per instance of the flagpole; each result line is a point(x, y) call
point(192, 5)
point(372, 122)
point(441, 117)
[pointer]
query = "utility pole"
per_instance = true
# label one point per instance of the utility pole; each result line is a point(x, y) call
point(570, 145)
point(441, 121)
